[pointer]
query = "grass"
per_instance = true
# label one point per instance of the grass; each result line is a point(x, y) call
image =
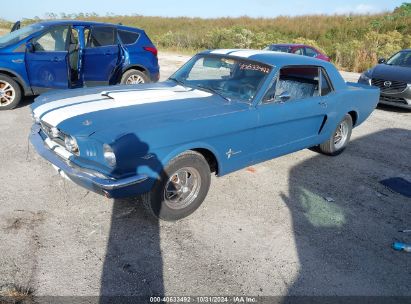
point(353, 42)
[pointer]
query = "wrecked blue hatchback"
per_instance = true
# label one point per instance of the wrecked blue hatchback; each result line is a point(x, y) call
point(222, 111)
point(72, 54)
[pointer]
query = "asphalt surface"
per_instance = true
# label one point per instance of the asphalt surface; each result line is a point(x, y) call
point(302, 224)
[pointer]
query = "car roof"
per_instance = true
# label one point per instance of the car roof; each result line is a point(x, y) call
point(85, 23)
point(270, 57)
point(289, 44)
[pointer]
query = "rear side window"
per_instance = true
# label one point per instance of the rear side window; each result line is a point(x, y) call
point(310, 52)
point(128, 37)
point(296, 82)
point(101, 36)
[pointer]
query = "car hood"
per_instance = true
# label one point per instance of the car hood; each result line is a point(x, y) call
point(392, 72)
point(86, 111)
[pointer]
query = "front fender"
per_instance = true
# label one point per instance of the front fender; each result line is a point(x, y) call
point(192, 146)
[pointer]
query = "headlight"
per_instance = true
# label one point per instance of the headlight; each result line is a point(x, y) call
point(365, 77)
point(71, 144)
point(109, 155)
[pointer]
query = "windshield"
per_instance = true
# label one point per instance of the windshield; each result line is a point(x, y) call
point(19, 35)
point(401, 59)
point(233, 79)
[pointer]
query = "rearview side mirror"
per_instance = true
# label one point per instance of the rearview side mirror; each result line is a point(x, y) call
point(212, 63)
point(30, 47)
point(382, 60)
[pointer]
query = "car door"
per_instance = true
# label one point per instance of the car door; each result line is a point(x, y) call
point(47, 60)
point(101, 56)
point(292, 112)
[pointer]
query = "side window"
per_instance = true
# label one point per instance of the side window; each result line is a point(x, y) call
point(54, 40)
point(310, 52)
point(326, 87)
point(299, 51)
point(128, 37)
point(101, 36)
point(293, 83)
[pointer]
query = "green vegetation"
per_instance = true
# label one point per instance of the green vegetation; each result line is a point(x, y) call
point(353, 42)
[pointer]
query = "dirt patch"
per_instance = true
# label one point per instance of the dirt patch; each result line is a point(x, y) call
point(11, 293)
point(24, 220)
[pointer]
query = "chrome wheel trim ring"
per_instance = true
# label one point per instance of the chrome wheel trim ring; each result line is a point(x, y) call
point(341, 135)
point(134, 79)
point(7, 93)
point(182, 188)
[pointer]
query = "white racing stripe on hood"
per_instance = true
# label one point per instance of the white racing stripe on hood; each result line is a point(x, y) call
point(119, 100)
point(40, 110)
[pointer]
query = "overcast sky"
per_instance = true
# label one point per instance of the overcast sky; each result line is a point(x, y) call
point(17, 9)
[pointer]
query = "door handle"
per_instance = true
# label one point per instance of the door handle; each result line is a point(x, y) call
point(56, 59)
point(323, 104)
point(108, 53)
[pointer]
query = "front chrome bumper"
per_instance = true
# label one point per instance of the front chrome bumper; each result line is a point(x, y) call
point(85, 178)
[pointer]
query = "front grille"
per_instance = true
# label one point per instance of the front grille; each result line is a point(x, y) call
point(393, 99)
point(47, 130)
point(389, 86)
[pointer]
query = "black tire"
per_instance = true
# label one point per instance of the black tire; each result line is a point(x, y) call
point(156, 201)
point(139, 77)
point(13, 91)
point(331, 146)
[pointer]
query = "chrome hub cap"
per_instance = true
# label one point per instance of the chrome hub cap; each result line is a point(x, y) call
point(134, 79)
point(7, 93)
point(341, 134)
point(182, 188)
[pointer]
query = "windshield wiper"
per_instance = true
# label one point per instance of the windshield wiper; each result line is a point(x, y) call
point(176, 80)
point(213, 91)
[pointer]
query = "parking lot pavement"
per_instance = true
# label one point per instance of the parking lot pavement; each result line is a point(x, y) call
point(265, 230)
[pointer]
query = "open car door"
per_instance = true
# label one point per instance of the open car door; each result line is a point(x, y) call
point(101, 56)
point(47, 60)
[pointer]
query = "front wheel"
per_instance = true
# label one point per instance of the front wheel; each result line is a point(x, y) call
point(340, 138)
point(181, 189)
point(10, 93)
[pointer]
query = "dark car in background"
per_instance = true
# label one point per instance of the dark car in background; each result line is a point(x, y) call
point(71, 54)
point(299, 49)
point(393, 77)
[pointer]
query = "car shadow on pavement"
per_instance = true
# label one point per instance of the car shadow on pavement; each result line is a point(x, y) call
point(133, 265)
point(344, 221)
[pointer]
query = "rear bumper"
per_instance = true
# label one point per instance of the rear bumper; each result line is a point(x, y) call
point(154, 77)
point(113, 188)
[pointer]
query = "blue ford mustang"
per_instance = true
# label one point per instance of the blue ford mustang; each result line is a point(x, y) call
point(222, 111)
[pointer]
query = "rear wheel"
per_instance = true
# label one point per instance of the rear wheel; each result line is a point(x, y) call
point(181, 189)
point(10, 93)
point(134, 77)
point(340, 138)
